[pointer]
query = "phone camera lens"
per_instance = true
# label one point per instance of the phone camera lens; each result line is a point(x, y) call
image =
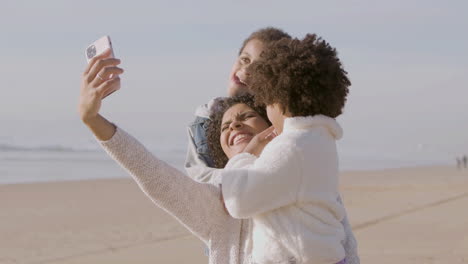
point(91, 51)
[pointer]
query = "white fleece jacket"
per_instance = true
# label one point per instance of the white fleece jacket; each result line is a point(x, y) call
point(291, 194)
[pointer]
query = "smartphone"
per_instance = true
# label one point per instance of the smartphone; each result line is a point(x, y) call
point(98, 47)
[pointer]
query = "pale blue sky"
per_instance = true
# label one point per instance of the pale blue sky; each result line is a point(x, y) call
point(407, 61)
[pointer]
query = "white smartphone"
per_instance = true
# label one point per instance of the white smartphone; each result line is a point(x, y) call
point(98, 47)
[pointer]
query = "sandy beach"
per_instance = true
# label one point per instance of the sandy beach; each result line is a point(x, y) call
point(405, 216)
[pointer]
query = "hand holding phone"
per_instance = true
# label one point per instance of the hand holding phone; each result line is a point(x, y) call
point(97, 48)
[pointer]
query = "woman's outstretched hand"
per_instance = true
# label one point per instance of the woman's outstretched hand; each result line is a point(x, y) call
point(100, 79)
point(96, 84)
point(256, 145)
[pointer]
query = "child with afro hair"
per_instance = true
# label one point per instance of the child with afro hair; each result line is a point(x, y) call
point(291, 190)
point(304, 78)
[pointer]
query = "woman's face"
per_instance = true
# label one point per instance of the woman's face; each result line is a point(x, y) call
point(239, 125)
point(249, 54)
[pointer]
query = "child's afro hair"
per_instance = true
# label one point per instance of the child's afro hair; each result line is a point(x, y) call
point(305, 77)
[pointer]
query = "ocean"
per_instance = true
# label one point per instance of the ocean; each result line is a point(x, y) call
point(42, 151)
point(24, 164)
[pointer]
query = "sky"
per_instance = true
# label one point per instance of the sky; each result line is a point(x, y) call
point(407, 61)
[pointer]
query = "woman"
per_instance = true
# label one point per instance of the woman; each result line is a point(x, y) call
point(197, 206)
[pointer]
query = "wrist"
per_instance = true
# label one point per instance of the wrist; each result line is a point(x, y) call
point(101, 127)
point(89, 120)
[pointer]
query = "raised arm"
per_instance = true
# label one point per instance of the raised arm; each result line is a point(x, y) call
point(197, 206)
point(96, 84)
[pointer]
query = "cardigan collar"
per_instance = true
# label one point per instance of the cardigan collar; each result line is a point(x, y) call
point(303, 122)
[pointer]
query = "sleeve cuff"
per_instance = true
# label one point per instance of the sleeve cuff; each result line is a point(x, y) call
point(118, 137)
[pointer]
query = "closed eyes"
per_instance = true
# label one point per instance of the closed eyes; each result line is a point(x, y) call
point(241, 117)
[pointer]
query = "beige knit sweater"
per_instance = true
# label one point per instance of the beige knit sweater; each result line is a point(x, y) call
point(197, 206)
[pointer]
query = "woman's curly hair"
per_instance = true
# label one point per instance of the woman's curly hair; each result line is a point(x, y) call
point(213, 132)
point(304, 77)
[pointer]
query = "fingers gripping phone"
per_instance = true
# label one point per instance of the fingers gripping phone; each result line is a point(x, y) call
point(97, 48)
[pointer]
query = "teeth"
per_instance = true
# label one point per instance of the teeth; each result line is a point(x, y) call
point(239, 138)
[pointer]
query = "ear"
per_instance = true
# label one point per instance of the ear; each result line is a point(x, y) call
point(283, 109)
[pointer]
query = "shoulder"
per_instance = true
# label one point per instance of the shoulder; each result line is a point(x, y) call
point(318, 125)
point(282, 147)
point(310, 142)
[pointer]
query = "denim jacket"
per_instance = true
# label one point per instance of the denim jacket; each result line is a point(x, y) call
point(198, 130)
point(198, 164)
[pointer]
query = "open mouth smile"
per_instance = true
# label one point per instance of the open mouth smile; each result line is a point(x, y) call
point(239, 137)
